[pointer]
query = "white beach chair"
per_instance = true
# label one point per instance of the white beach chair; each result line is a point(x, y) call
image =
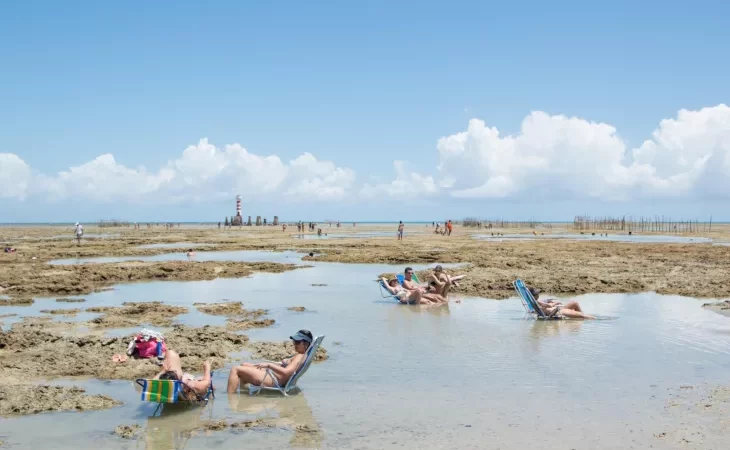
point(292, 383)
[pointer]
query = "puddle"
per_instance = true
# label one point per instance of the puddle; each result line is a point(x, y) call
point(646, 238)
point(177, 245)
point(289, 257)
point(504, 371)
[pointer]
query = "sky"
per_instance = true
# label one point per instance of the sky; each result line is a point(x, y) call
point(373, 110)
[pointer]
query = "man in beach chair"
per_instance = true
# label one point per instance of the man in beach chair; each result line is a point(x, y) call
point(262, 374)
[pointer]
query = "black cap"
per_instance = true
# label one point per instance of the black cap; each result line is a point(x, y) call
point(535, 291)
point(302, 335)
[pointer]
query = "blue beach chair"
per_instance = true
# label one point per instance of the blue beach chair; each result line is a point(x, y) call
point(530, 304)
point(292, 383)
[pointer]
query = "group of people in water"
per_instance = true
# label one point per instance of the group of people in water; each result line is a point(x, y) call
point(439, 284)
point(410, 292)
point(260, 374)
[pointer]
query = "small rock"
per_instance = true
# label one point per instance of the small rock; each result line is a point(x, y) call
point(127, 431)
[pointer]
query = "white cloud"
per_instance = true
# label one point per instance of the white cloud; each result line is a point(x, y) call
point(553, 157)
point(201, 173)
point(405, 184)
point(14, 176)
point(558, 157)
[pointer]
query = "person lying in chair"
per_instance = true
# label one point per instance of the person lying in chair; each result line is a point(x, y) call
point(257, 373)
point(195, 388)
point(550, 307)
point(433, 292)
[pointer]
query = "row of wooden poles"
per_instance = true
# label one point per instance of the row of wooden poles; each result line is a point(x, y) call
point(502, 223)
point(656, 224)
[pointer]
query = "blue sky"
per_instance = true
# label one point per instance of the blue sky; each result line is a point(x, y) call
point(360, 86)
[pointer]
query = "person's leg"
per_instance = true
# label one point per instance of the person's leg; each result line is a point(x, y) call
point(247, 374)
point(172, 362)
point(446, 287)
point(415, 298)
point(573, 314)
point(573, 305)
point(435, 298)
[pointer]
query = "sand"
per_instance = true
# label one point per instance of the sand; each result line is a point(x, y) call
point(24, 399)
point(559, 267)
point(25, 279)
point(132, 314)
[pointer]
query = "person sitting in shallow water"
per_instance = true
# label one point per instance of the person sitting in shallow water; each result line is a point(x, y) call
point(550, 307)
point(443, 281)
point(434, 292)
point(402, 294)
point(256, 373)
point(172, 370)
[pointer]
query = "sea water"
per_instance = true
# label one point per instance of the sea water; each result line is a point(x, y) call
point(468, 375)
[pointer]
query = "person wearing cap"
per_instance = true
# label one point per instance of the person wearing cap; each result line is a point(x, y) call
point(255, 373)
point(550, 307)
point(78, 232)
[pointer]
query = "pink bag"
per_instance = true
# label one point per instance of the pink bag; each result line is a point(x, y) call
point(148, 349)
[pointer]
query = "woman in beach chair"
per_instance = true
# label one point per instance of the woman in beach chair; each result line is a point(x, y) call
point(402, 294)
point(256, 373)
point(194, 388)
point(550, 307)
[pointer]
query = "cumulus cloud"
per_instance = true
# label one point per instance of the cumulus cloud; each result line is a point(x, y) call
point(405, 184)
point(203, 172)
point(14, 176)
point(559, 157)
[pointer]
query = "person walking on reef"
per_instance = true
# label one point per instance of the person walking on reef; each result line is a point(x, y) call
point(78, 232)
point(400, 230)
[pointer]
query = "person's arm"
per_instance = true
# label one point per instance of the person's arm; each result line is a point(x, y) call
point(202, 384)
point(388, 287)
point(280, 371)
point(437, 280)
point(411, 286)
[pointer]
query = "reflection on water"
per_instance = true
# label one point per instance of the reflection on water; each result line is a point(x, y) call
point(402, 376)
point(237, 255)
point(639, 238)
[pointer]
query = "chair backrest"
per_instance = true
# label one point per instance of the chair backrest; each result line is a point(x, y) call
point(160, 391)
point(311, 352)
point(401, 278)
point(528, 301)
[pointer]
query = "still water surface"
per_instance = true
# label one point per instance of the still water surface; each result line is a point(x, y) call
point(470, 375)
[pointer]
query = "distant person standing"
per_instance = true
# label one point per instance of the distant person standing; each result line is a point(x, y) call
point(400, 230)
point(78, 232)
point(448, 228)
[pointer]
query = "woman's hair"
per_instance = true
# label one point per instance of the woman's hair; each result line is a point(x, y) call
point(169, 375)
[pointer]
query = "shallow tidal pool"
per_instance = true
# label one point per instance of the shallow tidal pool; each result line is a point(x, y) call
point(468, 375)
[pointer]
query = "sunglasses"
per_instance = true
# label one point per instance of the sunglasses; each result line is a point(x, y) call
point(409, 273)
point(297, 342)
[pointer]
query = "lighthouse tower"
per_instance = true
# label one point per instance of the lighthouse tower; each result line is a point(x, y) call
point(238, 219)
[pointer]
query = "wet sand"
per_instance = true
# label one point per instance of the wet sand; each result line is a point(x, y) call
point(558, 266)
